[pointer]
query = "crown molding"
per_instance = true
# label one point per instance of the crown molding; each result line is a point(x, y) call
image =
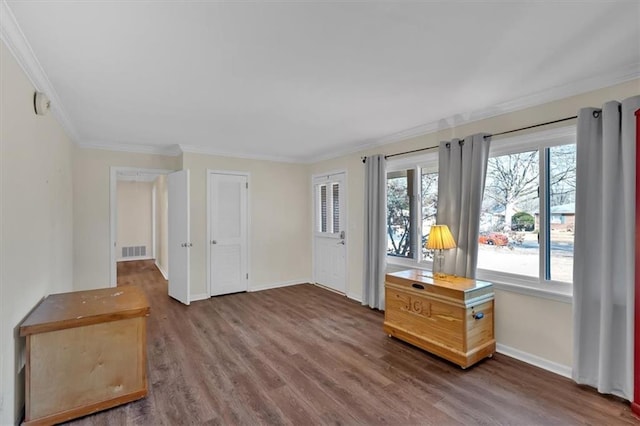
point(192, 149)
point(178, 149)
point(621, 75)
point(166, 150)
point(20, 48)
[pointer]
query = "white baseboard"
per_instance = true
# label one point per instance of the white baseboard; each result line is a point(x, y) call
point(279, 284)
point(128, 259)
point(554, 367)
point(162, 271)
point(196, 297)
point(356, 297)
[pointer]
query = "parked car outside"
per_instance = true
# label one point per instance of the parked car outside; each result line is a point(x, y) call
point(493, 239)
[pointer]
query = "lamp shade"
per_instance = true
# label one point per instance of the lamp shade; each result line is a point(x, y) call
point(440, 238)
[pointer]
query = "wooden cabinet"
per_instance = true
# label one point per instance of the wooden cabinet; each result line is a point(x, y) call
point(86, 351)
point(451, 317)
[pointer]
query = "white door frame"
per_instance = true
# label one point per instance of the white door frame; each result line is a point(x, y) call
point(346, 223)
point(153, 220)
point(248, 237)
point(113, 213)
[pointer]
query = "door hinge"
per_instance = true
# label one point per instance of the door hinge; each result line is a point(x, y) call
point(247, 276)
point(247, 185)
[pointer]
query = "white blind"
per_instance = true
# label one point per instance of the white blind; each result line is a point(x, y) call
point(335, 199)
point(323, 208)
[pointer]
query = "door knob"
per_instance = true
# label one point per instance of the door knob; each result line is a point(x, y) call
point(214, 242)
point(341, 242)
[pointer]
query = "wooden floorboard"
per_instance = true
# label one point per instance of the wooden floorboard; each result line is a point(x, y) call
point(302, 355)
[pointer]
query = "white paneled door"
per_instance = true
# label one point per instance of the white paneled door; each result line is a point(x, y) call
point(179, 242)
point(228, 233)
point(330, 242)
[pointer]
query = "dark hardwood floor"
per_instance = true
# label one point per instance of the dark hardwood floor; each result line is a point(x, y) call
point(302, 355)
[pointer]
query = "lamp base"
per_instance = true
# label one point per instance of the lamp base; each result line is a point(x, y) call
point(440, 257)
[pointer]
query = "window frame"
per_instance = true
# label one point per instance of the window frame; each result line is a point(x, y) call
point(549, 289)
point(538, 286)
point(329, 180)
point(428, 161)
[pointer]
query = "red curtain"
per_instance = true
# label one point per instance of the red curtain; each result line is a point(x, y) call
point(636, 404)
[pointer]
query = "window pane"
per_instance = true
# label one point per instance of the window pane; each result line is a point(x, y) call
point(562, 197)
point(429, 193)
point(335, 197)
point(323, 208)
point(509, 219)
point(399, 214)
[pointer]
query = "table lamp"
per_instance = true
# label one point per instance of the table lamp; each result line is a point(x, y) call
point(440, 238)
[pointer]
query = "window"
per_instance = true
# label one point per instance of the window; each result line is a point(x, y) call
point(328, 203)
point(527, 217)
point(412, 192)
point(562, 199)
point(400, 212)
point(528, 209)
point(429, 202)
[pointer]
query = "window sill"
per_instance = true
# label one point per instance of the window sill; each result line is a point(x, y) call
point(564, 297)
point(563, 292)
point(401, 263)
point(558, 291)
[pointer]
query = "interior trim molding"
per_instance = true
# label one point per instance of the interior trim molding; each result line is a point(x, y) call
point(21, 50)
point(179, 149)
point(354, 296)
point(545, 364)
point(166, 150)
point(162, 271)
point(199, 296)
point(131, 259)
point(192, 149)
point(622, 75)
point(278, 285)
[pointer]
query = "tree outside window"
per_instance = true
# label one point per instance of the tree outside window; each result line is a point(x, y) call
point(411, 211)
point(399, 213)
point(511, 216)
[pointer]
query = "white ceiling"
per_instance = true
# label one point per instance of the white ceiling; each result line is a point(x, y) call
point(300, 81)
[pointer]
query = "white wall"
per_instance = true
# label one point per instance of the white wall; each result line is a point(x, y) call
point(134, 222)
point(162, 225)
point(540, 327)
point(280, 227)
point(35, 221)
point(91, 240)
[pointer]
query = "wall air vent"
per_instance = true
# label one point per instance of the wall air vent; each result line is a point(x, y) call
point(134, 251)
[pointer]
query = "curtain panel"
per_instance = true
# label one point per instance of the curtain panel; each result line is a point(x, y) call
point(604, 267)
point(462, 168)
point(375, 241)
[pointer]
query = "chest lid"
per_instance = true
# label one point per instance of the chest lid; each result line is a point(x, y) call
point(462, 289)
point(80, 308)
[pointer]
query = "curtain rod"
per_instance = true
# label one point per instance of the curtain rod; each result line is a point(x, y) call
point(533, 126)
point(364, 159)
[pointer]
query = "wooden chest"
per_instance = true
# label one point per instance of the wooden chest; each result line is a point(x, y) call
point(85, 351)
point(451, 317)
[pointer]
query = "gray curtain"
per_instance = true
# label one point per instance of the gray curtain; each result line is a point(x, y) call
point(603, 269)
point(461, 176)
point(375, 240)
